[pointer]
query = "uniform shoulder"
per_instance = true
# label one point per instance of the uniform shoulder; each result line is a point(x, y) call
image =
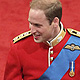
point(21, 36)
point(73, 32)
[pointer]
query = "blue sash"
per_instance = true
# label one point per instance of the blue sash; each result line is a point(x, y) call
point(61, 64)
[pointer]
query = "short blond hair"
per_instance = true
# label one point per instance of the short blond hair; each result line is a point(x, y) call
point(51, 8)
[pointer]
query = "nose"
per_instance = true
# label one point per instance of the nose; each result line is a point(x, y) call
point(32, 28)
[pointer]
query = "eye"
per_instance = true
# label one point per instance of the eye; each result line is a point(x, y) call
point(37, 25)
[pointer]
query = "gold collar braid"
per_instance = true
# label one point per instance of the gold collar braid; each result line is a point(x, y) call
point(58, 38)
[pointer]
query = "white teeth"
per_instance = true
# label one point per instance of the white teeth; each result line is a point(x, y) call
point(36, 35)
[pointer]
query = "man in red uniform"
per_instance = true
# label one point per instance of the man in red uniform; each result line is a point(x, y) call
point(47, 51)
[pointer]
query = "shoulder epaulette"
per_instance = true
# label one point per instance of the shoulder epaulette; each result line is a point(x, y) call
point(21, 36)
point(74, 32)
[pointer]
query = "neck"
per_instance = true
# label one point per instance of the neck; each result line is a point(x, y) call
point(58, 37)
point(55, 33)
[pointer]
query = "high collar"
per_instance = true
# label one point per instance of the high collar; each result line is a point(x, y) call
point(58, 38)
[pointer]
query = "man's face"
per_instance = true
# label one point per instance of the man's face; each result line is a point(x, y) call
point(39, 25)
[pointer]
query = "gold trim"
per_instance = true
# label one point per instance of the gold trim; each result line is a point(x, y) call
point(51, 52)
point(74, 32)
point(72, 73)
point(21, 36)
point(59, 38)
point(72, 47)
point(51, 58)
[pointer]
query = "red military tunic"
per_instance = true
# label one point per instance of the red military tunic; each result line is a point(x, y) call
point(32, 59)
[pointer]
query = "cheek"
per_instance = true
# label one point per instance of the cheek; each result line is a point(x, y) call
point(46, 33)
point(42, 30)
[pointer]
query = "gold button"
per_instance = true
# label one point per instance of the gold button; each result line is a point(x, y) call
point(51, 52)
point(51, 59)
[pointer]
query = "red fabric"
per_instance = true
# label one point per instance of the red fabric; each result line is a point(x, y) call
point(13, 21)
point(32, 60)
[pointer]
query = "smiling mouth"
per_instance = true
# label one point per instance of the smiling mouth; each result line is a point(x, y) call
point(36, 37)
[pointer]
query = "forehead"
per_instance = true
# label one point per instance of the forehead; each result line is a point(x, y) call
point(36, 11)
point(36, 15)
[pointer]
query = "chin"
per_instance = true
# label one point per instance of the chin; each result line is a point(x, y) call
point(38, 41)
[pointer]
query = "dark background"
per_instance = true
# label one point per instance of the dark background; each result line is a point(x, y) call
point(13, 21)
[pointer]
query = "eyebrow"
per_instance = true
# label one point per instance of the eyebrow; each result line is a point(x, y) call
point(37, 24)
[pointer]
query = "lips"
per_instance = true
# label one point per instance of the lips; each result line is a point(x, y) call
point(36, 37)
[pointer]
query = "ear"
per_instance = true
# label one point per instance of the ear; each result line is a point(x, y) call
point(55, 22)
